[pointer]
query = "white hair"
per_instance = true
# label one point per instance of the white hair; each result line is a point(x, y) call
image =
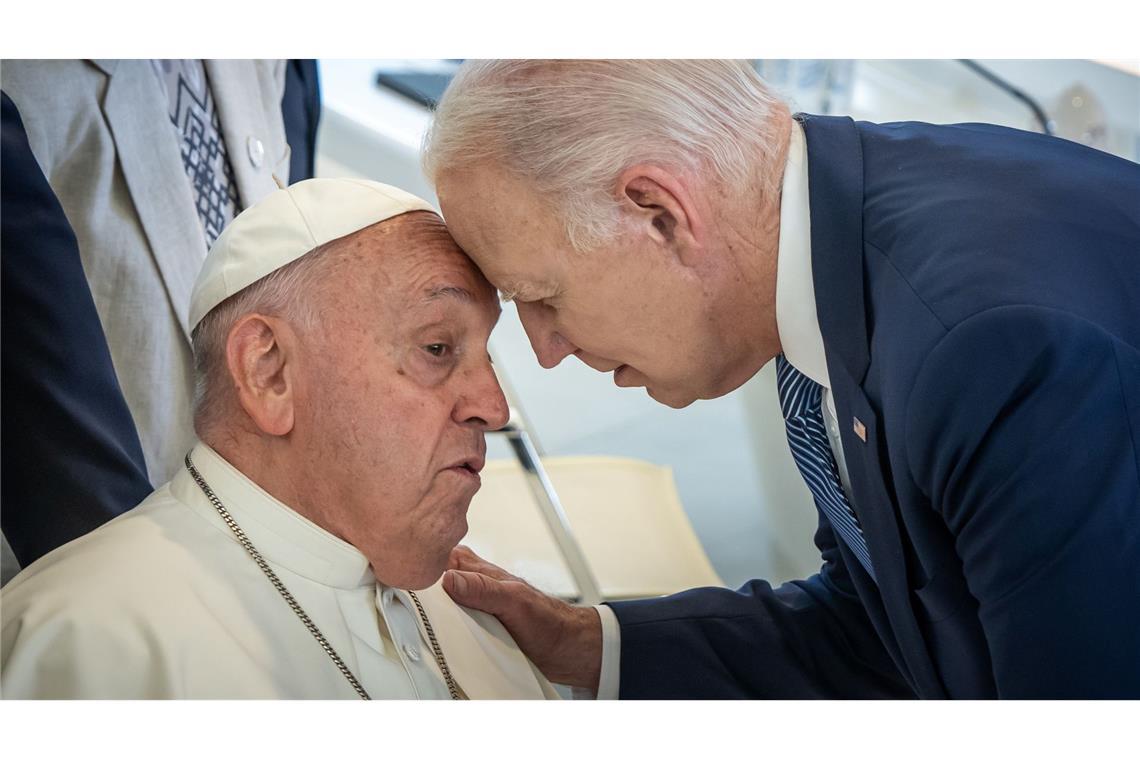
point(290, 293)
point(571, 127)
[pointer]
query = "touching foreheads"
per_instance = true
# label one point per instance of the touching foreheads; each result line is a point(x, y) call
point(571, 127)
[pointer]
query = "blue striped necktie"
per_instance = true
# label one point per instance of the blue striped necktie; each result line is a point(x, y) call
point(800, 400)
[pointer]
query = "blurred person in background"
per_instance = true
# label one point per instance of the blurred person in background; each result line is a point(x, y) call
point(135, 168)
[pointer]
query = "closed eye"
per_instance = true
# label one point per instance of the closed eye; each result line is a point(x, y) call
point(546, 301)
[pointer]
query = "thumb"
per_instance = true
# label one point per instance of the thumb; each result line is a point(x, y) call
point(475, 590)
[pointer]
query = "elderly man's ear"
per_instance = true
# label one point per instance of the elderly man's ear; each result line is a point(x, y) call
point(660, 203)
point(261, 356)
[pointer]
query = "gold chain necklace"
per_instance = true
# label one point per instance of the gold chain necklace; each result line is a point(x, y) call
point(239, 534)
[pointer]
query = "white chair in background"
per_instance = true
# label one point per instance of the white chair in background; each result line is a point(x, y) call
point(625, 515)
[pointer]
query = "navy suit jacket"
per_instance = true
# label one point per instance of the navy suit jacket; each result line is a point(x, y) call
point(71, 458)
point(978, 291)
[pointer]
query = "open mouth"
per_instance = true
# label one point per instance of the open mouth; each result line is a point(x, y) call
point(466, 472)
point(468, 468)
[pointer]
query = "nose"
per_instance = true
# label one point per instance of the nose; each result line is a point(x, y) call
point(550, 347)
point(482, 404)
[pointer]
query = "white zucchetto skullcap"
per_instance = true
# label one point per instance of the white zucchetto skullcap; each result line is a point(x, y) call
point(285, 226)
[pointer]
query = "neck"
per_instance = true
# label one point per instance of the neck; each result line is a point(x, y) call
point(270, 462)
point(751, 242)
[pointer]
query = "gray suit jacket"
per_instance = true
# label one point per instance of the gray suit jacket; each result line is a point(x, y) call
point(102, 135)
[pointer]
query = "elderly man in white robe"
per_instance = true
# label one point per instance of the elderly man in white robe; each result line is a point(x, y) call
point(340, 341)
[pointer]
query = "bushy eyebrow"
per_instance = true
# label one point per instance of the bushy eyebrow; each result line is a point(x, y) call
point(512, 292)
point(448, 291)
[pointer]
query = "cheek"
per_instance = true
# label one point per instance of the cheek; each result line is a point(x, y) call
point(395, 433)
point(627, 319)
point(392, 447)
point(360, 427)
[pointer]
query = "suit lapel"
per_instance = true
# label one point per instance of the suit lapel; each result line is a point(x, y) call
point(238, 98)
point(835, 192)
point(835, 181)
point(149, 156)
point(106, 65)
point(875, 506)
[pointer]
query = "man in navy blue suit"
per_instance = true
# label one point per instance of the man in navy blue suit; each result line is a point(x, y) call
point(955, 316)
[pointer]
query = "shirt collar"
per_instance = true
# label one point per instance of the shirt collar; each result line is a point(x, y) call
point(281, 535)
point(796, 320)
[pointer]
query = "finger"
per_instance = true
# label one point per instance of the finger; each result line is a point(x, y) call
point(457, 554)
point(480, 592)
point(462, 553)
point(462, 558)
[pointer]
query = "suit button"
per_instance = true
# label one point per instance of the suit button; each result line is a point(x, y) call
point(412, 653)
point(256, 151)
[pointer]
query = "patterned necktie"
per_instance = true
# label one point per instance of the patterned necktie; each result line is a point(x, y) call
point(198, 130)
point(801, 402)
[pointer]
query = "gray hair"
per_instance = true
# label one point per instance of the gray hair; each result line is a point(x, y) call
point(571, 127)
point(290, 293)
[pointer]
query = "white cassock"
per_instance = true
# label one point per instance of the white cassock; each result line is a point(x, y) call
point(163, 602)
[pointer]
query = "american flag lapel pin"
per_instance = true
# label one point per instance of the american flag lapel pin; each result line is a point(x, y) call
point(860, 429)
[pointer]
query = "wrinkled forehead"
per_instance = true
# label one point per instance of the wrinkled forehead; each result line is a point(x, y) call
point(412, 261)
point(515, 236)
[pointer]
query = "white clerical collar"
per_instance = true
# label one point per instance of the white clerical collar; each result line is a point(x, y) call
point(282, 536)
point(796, 319)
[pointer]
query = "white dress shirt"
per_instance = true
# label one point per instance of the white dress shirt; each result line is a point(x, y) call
point(163, 602)
point(800, 338)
